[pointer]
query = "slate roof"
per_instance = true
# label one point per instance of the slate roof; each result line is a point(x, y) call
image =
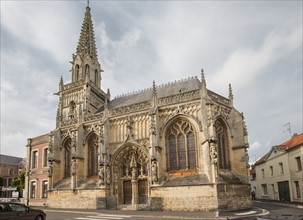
point(5, 159)
point(173, 88)
point(295, 141)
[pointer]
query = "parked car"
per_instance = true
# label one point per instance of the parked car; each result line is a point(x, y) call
point(14, 211)
point(9, 200)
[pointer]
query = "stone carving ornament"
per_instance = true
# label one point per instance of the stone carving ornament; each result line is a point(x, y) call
point(213, 150)
point(101, 174)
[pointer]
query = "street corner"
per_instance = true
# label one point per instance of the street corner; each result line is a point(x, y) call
point(239, 215)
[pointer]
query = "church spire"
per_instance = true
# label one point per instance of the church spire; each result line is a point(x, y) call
point(87, 44)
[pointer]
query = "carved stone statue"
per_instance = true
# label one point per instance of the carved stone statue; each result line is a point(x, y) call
point(154, 172)
point(213, 153)
point(50, 170)
point(74, 167)
point(101, 175)
point(107, 175)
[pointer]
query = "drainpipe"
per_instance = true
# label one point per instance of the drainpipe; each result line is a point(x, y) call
point(28, 166)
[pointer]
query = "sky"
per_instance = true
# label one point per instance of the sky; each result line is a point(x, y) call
point(254, 45)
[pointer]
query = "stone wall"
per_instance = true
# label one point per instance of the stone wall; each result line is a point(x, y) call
point(84, 199)
point(234, 196)
point(184, 198)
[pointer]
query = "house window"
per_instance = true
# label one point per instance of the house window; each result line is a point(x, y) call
point(35, 159)
point(298, 192)
point(181, 146)
point(263, 173)
point(271, 171)
point(281, 168)
point(44, 188)
point(10, 171)
point(299, 164)
point(33, 189)
point(223, 149)
point(264, 189)
point(45, 157)
point(10, 181)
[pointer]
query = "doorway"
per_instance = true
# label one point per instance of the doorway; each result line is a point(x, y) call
point(127, 192)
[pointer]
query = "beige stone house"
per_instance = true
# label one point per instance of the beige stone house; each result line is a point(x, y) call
point(36, 177)
point(177, 146)
point(279, 174)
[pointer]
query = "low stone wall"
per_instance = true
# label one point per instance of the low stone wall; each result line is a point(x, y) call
point(234, 196)
point(84, 199)
point(184, 198)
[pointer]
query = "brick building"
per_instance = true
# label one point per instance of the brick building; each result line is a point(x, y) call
point(36, 179)
point(10, 169)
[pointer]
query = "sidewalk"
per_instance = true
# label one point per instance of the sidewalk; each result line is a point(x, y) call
point(289, 204)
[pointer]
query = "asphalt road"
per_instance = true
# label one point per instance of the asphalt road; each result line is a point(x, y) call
point(268, 210)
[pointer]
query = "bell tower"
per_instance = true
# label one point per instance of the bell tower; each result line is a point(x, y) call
point(85, 64)
point(83, 96)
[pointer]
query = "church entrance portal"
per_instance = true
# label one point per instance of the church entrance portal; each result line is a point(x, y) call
point(130, 169)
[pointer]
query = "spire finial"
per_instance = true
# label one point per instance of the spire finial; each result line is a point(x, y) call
point(203, 84)
point(154, 88)
point(203, 76)
point(230, 96)
point(87, 3)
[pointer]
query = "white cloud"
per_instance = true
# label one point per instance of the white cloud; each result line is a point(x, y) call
point(255, 146)
point(138, 42)
point(13, 143)
point(40, 25)
point(244, 64)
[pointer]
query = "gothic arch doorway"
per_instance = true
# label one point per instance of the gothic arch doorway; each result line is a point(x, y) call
point(131, 171)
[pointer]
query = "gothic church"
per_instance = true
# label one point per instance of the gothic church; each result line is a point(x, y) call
point(177, 146)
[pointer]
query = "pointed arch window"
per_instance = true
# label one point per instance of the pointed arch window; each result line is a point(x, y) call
point(223, 148)
point(96, 77)
point(77, 72)
point(181, 154)
point(93, 155)
point(67, 158)
point(87, 71)
point(72, 109)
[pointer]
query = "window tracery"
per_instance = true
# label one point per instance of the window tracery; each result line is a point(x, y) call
point(92, 145)
point(181, 146)
point(67, 158)
point(222, 143)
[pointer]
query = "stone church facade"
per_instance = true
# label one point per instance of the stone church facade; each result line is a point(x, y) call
point(177, 146)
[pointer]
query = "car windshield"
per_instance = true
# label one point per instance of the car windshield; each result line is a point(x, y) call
point(17, 207)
